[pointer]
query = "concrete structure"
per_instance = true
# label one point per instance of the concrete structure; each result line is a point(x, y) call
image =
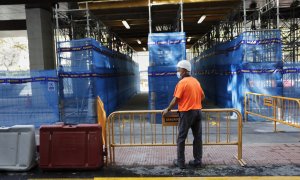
point(34, 19)
point(40, 38)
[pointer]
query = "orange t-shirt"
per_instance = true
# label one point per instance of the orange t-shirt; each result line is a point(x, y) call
point(189, 94)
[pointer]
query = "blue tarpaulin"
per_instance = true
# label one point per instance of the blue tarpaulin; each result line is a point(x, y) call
point(249, 63)
point(28, 97)
point(165, 51)
point(89, 69)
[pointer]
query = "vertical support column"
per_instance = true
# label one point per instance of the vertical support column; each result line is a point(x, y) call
point(56, 32)
point(277, 13)
point(181, 15)
point(40, 36)
point(87, 19)
point(245, 15)
point(150, 19)
point(56, 19)
point(74, 31)
point(275, 113)
point(259, 19)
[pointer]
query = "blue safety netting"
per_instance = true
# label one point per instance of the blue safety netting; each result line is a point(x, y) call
point(28, 97)
point(162, 81)
point(249, 63)
point(165, 51)
point(291, 80)
point(263, 78)
point(120, 80)
point(76, 83)
point(205, 73)
point(89, 69)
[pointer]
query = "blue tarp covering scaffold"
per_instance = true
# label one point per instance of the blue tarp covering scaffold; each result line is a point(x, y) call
point(28, 97)
point(87, 70)
point(162, 81)
point(166, 49)
point(291, 80)
point(249, 63)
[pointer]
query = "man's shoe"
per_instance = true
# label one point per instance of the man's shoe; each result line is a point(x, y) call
point(195, 163)
point(181, 166)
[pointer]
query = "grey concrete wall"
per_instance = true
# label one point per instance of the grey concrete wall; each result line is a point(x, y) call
point(40, 38)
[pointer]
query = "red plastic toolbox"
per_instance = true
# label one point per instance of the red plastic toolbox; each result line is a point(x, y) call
point(71, 146)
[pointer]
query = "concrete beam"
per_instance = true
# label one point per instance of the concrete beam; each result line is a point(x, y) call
point(13, 2)
point(142, 3)
point(7, 25)
point(13, 33)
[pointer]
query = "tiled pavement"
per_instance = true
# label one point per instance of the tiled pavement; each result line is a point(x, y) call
point(261, 146)
point(253, 154)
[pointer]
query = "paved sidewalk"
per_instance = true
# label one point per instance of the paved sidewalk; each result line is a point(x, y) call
point(261, 146)
point(253, 155)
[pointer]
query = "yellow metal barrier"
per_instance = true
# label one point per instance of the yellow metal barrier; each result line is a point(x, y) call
point(140, 128)
point(275, 108)
point(101, 118)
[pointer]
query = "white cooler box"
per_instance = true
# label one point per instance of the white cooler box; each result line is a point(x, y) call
point(17, 148)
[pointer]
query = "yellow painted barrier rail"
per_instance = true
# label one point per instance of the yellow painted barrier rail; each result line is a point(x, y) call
point(146, 128)
point(275, 108)
point(101, 119)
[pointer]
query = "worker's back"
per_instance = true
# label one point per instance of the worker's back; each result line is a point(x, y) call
point(189, 92)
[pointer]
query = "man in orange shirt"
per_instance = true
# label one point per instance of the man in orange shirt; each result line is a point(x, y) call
point(188, 95)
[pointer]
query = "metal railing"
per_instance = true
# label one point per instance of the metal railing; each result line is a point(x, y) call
point(140, 128)
point(275, 108)
point(101, 118)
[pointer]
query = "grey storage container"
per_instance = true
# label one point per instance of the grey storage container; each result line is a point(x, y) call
point(17, 148)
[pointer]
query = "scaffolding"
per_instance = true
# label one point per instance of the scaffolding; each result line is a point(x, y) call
point(72, 24)
point(91, 61)
point(264, 15)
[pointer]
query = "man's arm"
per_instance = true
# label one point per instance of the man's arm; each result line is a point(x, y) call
point(171, 105)
point(203, 96)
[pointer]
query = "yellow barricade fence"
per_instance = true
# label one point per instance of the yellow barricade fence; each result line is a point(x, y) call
point(140, 128)
point(275, 108)
point(101, 118)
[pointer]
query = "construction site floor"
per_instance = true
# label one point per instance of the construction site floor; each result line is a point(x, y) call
point(267, 153)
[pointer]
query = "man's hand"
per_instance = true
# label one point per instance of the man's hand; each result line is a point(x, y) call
point(172, 104)
point(165, 111)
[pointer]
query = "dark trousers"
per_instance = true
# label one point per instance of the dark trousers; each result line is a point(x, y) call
point(189, 119)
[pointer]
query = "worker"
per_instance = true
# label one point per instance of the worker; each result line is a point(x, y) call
point(188, 95)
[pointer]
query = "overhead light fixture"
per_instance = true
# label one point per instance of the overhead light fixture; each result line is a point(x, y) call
point(138, 41)
point(144, 49)
point(201, 19)
point(189, 39)
point(126, 24)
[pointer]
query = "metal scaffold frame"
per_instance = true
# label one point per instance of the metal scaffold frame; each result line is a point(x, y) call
point(271, 15)
point(177, 24)
point(80, 23)
point(290, 33)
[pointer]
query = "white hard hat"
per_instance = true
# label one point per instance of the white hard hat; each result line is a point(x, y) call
point(185, 65)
